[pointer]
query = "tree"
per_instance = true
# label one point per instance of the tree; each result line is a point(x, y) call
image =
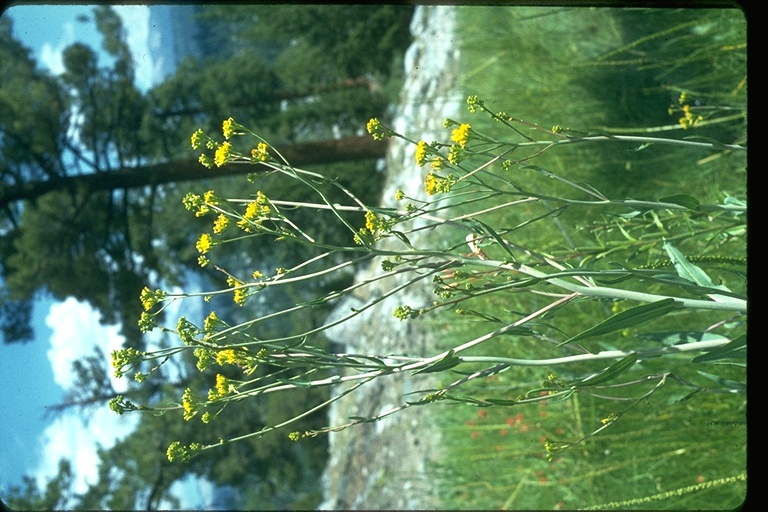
point(100, 149)
point(82, 203)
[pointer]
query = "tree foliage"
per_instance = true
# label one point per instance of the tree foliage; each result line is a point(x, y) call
point(90, 163)
point(90, 153)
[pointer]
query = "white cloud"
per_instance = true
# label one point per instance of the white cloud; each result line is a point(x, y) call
point(136, 22)
point(76, 332)
point(70, 437)
point(51, 56)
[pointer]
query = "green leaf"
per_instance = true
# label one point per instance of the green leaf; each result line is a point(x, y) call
point(403, 238)
point(736, 349)
point(449, 361)
point(501, 401)
point(670, 338)
point(628, 318)
point(642, 146)
point(676, 399)
point(684, 200)
point(691, 272)
point(726, 383)
point(611, 372)
point(490, 231)
point(716, 144)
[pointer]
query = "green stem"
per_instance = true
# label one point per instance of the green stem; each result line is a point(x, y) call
point(697, 346)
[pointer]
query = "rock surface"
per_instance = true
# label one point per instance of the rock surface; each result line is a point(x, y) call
point(385, 465)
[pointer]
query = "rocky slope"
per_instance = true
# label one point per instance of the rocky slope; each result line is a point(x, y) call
point(385, 465)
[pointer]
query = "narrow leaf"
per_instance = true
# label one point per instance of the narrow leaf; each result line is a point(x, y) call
point(670, 338)
point(676, 399)
point(501, 401)
point(736, 349)
point(691, 272)
point(684, 200)
point(726, 383)
point(642, 146)
point(403, 238)
point(489, 230)
point(628, 318)
point(611, 372)
point(449, 361)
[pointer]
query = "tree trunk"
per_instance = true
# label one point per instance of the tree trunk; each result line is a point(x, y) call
point(300, 154)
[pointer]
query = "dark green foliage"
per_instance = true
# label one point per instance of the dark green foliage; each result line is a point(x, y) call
point(102, 247)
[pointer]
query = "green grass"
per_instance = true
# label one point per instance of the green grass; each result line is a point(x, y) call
point(600, 69)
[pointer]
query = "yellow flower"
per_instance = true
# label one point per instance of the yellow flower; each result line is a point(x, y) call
point(210, 322)
point(421, 153)
point(204, 244)
point(251, 211)
point(186, 403)
point(222, 221)
point(205, 160)
point(210, 198)
point(222, 154)
point(228, 128)
point(226, 356)
point(197, 139)
point(460, 135)
point(222, 386)
point(377, 130)
point(256, 210)
point(257, 275)
point(240, 296)
point(430, 184)
point(455, 154)
point(260, 152)
point(150, 298)
point(370, 221)
point(437, 163)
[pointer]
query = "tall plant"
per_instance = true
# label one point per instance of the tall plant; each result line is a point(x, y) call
point(640, 275)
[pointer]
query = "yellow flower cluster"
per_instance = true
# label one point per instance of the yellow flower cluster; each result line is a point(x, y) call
point(259, 153)
point(430, 184)
point(688, 120)
point(222, 386)
point(456, 154)
point(377, 130)
point(223, 152)
point(460, 135)
point(204, 244)
point(370, 221)
point(227, 356)
point(220, 224)
point(240, 295)
point(187, 405)
point(197, 139)
point(150, 298)
point(434, 184)
point(228, 127)
point(205, 160)
point(211, 322)
point(421, 153)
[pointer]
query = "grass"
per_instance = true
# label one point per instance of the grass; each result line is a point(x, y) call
point(605, 69)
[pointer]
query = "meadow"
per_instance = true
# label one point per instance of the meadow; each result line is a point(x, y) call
point(604, 71)
point(584, 229)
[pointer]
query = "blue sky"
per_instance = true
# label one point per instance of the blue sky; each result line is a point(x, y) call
point(36, 375)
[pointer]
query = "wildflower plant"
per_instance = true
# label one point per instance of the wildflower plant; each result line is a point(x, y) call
point(647, 296)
